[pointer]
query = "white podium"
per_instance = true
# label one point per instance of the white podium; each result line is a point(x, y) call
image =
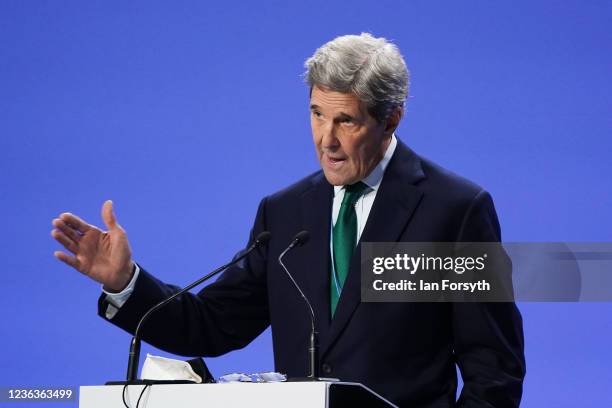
point(234, 395)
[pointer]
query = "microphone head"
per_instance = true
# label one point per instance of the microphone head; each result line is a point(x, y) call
point(263, 238)
point(301, 238)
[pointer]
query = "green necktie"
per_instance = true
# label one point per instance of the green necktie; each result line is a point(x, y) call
point(344, 240)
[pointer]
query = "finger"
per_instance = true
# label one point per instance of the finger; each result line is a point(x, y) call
point(65, 241)
point(67, 230)
point(67, 259)
point(76, 222)
point(108, 215)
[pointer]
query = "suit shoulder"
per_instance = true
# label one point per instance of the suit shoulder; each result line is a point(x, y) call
point(298, 188)
point(286, 205)
point(442, 182)
point(463, 205)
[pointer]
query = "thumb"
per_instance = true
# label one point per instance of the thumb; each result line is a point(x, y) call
point(108, 215)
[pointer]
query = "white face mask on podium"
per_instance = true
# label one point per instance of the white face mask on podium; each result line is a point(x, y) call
point(162, 368)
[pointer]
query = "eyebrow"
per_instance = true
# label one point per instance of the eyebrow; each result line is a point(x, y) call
point(340, 115)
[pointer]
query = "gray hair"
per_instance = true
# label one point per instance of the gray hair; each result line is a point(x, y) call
point(371, 68)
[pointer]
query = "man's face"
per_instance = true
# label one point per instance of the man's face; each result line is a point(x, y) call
point(349, 142)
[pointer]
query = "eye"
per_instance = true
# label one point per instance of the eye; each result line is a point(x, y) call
point(316, 113)
point(346, 121)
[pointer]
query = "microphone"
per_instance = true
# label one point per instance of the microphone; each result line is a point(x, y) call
point(134, 355)
point(313, 348)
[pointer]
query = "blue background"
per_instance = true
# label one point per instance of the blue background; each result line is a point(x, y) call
point(187, 113)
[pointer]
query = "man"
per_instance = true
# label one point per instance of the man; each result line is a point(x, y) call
point(372, 188)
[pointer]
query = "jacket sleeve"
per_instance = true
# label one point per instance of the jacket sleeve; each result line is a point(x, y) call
point(488, 337)
point(226, 315)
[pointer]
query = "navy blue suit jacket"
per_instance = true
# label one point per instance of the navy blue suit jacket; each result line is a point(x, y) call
point(406, 352)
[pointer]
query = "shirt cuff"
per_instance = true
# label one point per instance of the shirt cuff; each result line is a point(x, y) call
point(118, 299)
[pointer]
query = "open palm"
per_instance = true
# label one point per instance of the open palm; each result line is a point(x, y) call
point(104, 256)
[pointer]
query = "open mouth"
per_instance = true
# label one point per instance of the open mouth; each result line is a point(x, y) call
point(336, 160)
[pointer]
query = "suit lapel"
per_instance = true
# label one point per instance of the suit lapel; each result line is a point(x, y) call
point(395, 202)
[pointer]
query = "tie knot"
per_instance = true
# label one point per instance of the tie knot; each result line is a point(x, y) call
point(352, 192)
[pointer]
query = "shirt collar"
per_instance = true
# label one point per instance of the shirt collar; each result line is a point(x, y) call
point(374, 179)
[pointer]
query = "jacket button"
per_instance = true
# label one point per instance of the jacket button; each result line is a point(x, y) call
point(327, 368)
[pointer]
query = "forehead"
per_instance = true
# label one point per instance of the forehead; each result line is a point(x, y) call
point(323, 98)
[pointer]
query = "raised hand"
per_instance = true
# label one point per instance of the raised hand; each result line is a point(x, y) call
point(104, 256)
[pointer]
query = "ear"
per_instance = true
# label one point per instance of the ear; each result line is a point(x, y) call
point(393, 120)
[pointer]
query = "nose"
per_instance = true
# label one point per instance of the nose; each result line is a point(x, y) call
point(329, 141)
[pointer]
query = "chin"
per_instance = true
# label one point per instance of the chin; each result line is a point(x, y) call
point(337, 179)
point(333, 179)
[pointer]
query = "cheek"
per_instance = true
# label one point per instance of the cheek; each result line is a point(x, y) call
point(315, 133)
point(357, 150)
point(362, 158)
point(367, 156)
point(317, 142)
